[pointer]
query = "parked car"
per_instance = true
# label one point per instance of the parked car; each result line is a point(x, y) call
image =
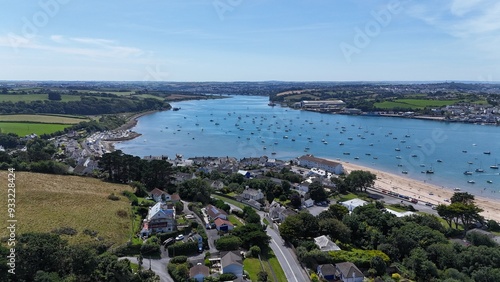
point(179, 237)
point(190, 216)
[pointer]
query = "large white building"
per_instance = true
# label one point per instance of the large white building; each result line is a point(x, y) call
point(310, 161)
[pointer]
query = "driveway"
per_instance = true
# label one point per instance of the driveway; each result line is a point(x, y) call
point(159, 266)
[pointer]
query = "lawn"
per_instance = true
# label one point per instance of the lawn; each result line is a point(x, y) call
point(45, 202)
point(347, 197)
point(231, 201)
point(36, 97)
point(275, 265)
point(252, 266)
point(61, 119)
point(234, 220)
point(414, 104)
point(25, 128)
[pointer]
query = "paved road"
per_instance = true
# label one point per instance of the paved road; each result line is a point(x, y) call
point(286, 256)
point(159, 266)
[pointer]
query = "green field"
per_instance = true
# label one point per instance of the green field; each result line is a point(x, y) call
point(45, 202)
point(61, 119)
point(414, 104)
point(25, 128)
point(35, 97)
point(252, 266)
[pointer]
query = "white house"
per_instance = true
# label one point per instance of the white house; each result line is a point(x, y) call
point(354, 203)
point(325, 244)
point(310, 161)
point(253, 194)
point(160, 218)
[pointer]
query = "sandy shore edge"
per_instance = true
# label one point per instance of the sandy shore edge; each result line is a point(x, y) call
point(423, 191)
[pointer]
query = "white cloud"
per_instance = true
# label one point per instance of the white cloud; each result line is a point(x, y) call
point(462, 7)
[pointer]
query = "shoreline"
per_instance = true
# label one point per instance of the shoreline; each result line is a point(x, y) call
point(423, 191)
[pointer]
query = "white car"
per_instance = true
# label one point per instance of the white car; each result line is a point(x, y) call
point(190, 216)
point(179, 237)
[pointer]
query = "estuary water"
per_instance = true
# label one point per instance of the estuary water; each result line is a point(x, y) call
point(245, 126)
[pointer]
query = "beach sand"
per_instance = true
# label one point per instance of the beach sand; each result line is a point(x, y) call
point(424, 191)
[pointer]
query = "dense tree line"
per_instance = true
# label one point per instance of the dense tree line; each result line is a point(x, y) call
point(87, 106)
point(416, 244)
point(122, 168)
point(47, 257)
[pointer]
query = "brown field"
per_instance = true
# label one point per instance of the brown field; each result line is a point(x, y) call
point(45, 202)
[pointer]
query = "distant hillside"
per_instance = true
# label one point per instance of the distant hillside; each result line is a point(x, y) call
point(45, 202)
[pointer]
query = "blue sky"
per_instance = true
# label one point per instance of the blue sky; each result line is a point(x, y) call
point(250, 40)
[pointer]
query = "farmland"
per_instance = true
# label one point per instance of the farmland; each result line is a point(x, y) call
point(35, 97)
point(45, 202)
point(25, 128)
point(414, 104)
point(61, 119)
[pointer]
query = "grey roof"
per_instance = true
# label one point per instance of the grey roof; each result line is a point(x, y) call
point(231, 258)
point(325, 244)
point(327, 269)
point(348, 269)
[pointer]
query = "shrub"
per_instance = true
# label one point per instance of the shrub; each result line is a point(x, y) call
point(255, 251)
point(228, 243)
point(262, 276)
point(227, 277)
point(65, 231)
point(150, 249)
point(132, 197)
point(179, 259)
point(183, 248)
point(113, 197)
point(90, 233)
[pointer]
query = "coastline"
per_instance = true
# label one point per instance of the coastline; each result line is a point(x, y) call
point(109, 144)
point(423, 191)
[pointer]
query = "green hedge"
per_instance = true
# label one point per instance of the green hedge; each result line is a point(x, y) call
point(182, 249)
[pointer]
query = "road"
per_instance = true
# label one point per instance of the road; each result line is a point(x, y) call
point(286, 256)
point(159, 266)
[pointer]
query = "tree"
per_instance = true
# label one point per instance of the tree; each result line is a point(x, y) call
point(379, 265)
point(335, 229)
point(360, 180)
point(317, 192)
point(462, 197)
point(54, 96)
point(196, 190)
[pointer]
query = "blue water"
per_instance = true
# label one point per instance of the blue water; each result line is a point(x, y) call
point(242, 126)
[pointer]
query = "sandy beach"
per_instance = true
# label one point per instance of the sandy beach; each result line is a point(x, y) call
point(423, 191)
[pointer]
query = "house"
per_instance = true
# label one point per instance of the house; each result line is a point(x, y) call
point(348, 272)
point(214, 213)
point(160, 218)
point(309, 203)
point(354, 203)
point(232, 262)
point(325, 244)
point(245, 173)
point(326, 271)
point(253, 194)
point(159, 195)
point(223, 225)
point(310, 161)
point(199, 272)
point(174, 198)
point(217, 185)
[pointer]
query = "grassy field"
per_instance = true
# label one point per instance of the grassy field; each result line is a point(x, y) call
point(25, 128)
point(414, 104)
point(44, 118)
point(45, 202)
point(35, 97)
point(231, 201)
point(252, 266)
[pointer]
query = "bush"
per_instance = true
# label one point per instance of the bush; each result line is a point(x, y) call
point(493, 225)
point(255, 251)
point(132, 197)
point(113, 197)
point(65, 231)
point(262, 276)
point(227, 277)
point(150, 249)
point(90, 233)
point(122, 213)
point(182, 249)
point(179, 259)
